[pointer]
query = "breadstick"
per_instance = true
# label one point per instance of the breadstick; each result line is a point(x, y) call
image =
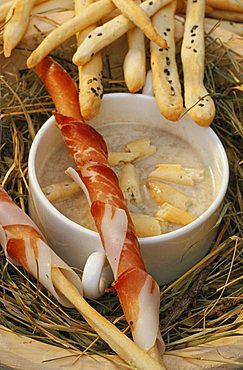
point(145, 225)
point(234, 27)
point(181, 6)
point(119, 342)
point(177, 174)
point(17, 21)
point(138, 16)
point(130, 183)
point(4, 8)
point(89, 16)
point(90, 75)
point(136, 56)
point(141, 147)
point(61, 190)
point(166, 83)
point(111, 31)
point(229, 5)
point(174, 215)
point(199, 104)
point(117, 158)
point(226, 15)
point(165, 193)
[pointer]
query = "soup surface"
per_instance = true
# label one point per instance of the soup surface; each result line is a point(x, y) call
point(169, 149)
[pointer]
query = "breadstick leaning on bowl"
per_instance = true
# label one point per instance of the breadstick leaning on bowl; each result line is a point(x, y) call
point(199, 104)
point(24, 245)
point(109, 210)
point(111, 31)
point(166, 83)
point(90, 75)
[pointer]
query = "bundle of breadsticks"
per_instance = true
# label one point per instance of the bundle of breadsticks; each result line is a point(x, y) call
point(152, 19)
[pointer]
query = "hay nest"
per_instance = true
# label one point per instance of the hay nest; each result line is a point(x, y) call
point(202, 306)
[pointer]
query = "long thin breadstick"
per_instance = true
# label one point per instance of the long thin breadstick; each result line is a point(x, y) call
point(174, 215)
point(226, 15)
point(234, 27)
point(89, 16)
point(4, 8)
point(199, 104)
point(61, 190)
point(228, 5)
point(17, 21)
point(90, 75)
point(139, 17)
point(136, 56)
point(119, 342)
point(111, 31)
point(166, 83)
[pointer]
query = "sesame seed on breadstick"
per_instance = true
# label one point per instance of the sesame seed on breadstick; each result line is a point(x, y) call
point(199, 104)
point(89, 16)
point(111, 31)
point(90, 75)
point(138, 16)
point(166, 84)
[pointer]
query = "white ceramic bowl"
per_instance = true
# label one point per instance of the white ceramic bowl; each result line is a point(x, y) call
point(166, 256)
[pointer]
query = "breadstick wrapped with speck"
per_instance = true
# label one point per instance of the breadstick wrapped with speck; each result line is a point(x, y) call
point(111, 31)
point(17, 21)
point(166, 83)
point(199, 104)
point(90, 75)
point(174, 215)
point(165, 193)
point(136, 56)
point(129, 183)
point(145, 225)
point(138, 16)
point(24, 245)
point(93, 13)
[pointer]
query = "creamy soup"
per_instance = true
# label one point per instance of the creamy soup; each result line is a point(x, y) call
point(169, 149)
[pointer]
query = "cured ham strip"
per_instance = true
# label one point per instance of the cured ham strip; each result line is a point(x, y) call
point(120, 243)
point(108, 207)
point(24, 245)
point(52, 75)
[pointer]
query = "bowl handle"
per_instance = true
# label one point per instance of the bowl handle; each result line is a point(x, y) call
point(97, 275)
